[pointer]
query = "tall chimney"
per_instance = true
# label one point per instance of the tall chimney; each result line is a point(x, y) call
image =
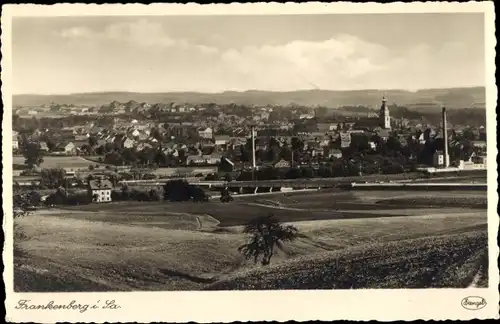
point(253, 147)
point(445, 135)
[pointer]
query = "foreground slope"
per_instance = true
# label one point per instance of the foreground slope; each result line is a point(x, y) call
point(81, 253)
point(432, 262)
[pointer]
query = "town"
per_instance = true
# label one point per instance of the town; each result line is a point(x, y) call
point(254, 152)
point(140, 141)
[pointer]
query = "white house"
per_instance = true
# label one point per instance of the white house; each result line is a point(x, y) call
point(345, 139)
point(100, 190)
point(438, 158)
point(128, 143)
point(282, 164)
point(222, 139)
point(15, 143)
point(205, 132)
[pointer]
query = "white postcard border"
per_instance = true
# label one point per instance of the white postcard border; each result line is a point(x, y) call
point(228, 306)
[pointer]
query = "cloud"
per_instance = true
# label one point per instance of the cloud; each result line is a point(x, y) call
point(335, 62)
point(76, 32)
point(141, 33)
point(157, 61)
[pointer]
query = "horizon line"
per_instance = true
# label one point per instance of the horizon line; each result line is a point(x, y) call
point(241, 91)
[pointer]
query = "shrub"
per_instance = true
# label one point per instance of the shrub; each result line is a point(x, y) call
point(181, 190)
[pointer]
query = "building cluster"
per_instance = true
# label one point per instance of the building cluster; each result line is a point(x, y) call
point(203, 136)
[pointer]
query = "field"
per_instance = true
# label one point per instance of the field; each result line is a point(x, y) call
point(364, 239)
point(68, 162)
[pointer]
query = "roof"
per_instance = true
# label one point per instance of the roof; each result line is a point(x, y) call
point(383, 133)
point(100, 184)
point(222, 137)
point(63, 144)
point(228, 161)
point(478, 142)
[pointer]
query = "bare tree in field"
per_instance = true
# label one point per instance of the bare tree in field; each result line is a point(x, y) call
point(266, 233)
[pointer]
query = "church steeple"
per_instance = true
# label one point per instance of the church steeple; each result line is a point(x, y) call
point(385, 119)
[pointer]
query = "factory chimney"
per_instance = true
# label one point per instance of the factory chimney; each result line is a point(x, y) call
point(445, 137)
point(253, 148)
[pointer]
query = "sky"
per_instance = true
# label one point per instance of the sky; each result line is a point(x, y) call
point(59, 55)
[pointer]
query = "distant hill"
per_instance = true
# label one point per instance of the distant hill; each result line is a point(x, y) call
point(451, 98)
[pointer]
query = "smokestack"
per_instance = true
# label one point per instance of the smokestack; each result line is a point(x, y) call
point(445, 135)
point(253, 147)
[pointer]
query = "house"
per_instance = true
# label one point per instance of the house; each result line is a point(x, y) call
point(345, 139)
point(474, 163)
point(334, 153)
point(205, 132)
point(226, 165)
point(324, 127)
point(306, 116)
point(66, 148)
point(80, 144)
point(282, 164)
point(383, 134)
point(142, 137)
point(479, 144)
point(325, 141)
point(15, 142)
point(96, 130)
point(128, 143)
point(100, 190)
point(44, 147)
point(222, 139)
point(403, 140)
point(135, 133)
point(143, 146)
point(212, 159)
point(438, 158)
point(81, 138)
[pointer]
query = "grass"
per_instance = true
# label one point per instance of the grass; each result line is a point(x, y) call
point(118, 257)
point(431, 262)
point(287, 207)
point(465, 202)
point(114, 251)
point(68, 162)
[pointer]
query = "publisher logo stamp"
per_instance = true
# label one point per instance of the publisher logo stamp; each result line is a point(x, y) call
point(473, 302)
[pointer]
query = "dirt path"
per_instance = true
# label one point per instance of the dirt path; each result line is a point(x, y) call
point(480, 279)
point(276, 207)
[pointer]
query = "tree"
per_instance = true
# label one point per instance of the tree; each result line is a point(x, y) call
point(266, 233)
point(21, 204)
point(53, 178)
point(92, 141)
point(33, 155)
point(225, 195)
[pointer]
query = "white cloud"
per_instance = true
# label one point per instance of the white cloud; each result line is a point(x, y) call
point(142, 33)
point(76, 32)
point(341, 62)
point(335, 62)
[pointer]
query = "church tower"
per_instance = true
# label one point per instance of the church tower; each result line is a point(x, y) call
point(384, 118)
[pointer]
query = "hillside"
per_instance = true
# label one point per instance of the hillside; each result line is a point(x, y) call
point(452, 98)
point(431, 262)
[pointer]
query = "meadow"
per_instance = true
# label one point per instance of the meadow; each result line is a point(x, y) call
point(192, 246)
point(67, 162)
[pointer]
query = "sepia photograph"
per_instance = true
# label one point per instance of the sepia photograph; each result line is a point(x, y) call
point(249, 152)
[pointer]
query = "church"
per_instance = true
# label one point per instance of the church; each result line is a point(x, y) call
point(383, 116)
point(382, 122)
